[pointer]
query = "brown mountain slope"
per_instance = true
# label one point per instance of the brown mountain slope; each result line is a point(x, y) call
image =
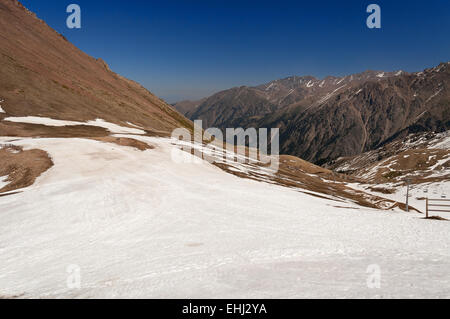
point(42, 74)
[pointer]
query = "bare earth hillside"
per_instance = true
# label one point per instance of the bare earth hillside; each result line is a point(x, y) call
point(42, 74)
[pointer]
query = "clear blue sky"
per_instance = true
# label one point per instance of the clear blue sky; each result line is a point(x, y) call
point(190, 49)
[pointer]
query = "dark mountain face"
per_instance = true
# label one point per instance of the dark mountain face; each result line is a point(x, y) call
point(321, 120)
point(233, 107)
point(365, 117)
point(187, 108)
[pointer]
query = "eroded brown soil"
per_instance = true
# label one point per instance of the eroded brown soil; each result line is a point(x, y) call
point(125, 141)
point(22, 167)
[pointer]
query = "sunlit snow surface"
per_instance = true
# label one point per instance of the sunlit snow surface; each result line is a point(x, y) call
point(444, 141)
point(140, 225)
point(114, 128)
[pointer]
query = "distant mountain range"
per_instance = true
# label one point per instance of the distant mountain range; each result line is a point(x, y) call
point(321, 120)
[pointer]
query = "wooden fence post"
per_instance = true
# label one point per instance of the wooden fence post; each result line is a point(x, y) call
point(427, 207)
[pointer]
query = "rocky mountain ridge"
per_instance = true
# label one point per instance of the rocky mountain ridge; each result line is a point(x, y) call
point(322, 120)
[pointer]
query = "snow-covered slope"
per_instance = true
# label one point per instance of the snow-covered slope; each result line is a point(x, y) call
point(137, 224)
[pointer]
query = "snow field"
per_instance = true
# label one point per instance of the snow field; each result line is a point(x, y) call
point(137, 224)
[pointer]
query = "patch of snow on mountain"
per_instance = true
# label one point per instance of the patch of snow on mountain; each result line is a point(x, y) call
point(290, 92)
point(341, 80)
point(434, 95)
point(42, 121)
point(134, 125)
point(3, 181)
point(329, 95)
point(270, 86)
point(440, 163)
point(114, 128)
point(443, 142)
